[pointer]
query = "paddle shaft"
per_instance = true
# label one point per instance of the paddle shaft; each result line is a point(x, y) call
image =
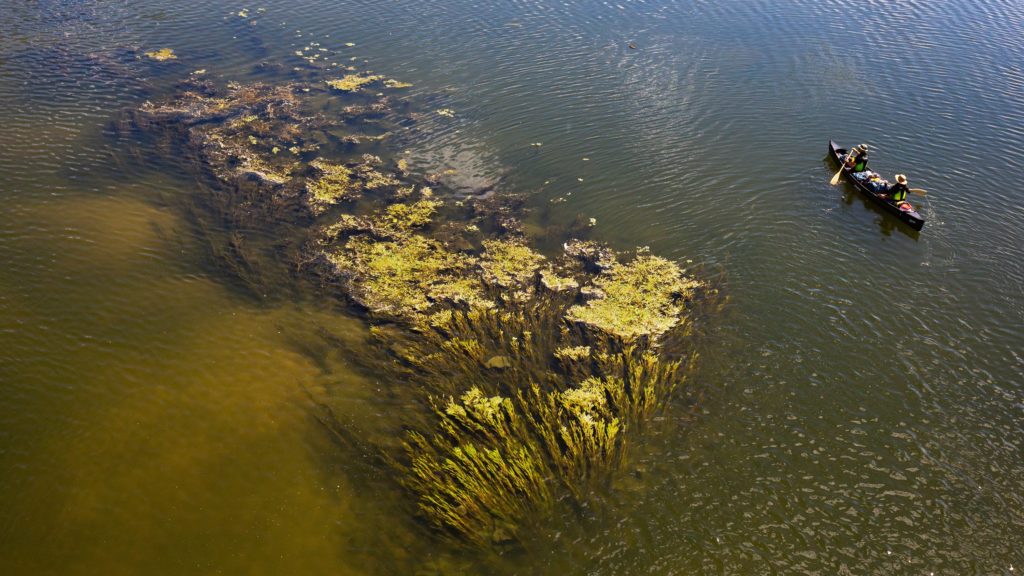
point(842, 165)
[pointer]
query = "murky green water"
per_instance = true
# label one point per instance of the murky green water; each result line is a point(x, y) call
point(863, 393)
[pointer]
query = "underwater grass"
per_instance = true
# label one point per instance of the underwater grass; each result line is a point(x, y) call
point(572, 405)
point(474, 478)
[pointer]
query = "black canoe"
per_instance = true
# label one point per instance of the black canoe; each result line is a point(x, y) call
point(912, 218)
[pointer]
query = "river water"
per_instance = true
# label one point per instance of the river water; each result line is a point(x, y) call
point(862, 402)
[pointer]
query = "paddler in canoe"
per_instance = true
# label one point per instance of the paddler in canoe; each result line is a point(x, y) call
point(897, 193)
point(857, 160)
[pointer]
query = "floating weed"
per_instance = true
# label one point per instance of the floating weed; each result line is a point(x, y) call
point(645, 297)
point(334, 185)
point(353, 82)
point(400, 219)
point(511, 266)
point(374, 180)
point(161, 55)
point(405, 277)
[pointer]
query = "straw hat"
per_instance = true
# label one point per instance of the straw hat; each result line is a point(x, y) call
point(864, 147)
point(901, 178)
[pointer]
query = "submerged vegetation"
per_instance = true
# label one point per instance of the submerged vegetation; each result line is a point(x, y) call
point(539, 405)
point(534, 370)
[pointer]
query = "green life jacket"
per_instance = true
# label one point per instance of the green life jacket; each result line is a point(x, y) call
point(899, 193)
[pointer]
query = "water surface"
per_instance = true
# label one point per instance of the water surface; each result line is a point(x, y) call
point(864, 389)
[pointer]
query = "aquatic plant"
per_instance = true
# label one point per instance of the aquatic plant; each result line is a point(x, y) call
point(594, 256)
point(474, 477)
point(567, 383)
point(405, 277)
point(510, 265)
point(401, 219)
point(645, 297)
point(353, 82)
point(374, 179)
point(573, 353)
point(580, 430)
point(551, 280)
point(334, 185)
point(534, 369)
point(256, 166)
point(161, 55)
point(570, 419)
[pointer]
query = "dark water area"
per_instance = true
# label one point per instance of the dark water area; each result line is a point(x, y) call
point(862, 394)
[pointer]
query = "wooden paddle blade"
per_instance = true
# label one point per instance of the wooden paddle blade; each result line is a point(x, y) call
point(835, 179)
point(918, 191)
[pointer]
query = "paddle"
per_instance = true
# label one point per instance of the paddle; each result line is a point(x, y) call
point(918, 191)
point(842, 164)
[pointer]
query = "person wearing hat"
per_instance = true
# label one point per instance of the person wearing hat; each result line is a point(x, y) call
point(898, 191)
point(858, 158)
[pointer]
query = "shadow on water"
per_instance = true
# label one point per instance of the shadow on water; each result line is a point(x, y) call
point(886, 223)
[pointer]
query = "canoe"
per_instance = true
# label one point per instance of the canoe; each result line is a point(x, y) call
point(910, 217)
